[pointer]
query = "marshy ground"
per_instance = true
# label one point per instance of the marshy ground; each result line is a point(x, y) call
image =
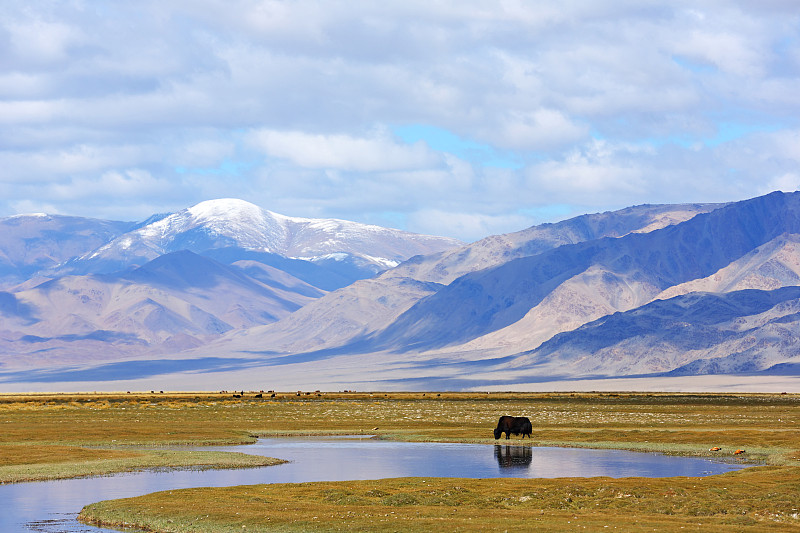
point(51, 436)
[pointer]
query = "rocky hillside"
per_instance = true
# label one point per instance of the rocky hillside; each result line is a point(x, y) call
point(579, 298)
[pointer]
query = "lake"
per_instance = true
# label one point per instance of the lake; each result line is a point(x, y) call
point(51, 506)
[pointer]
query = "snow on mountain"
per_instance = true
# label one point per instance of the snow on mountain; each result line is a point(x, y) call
point(233, 221)
point(231, 230)
point(236, 223)
point(140, 289)
point(559, 303)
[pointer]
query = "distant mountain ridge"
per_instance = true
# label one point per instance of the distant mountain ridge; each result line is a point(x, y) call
point(697, 333)
point(655, 290)
point(177, 301)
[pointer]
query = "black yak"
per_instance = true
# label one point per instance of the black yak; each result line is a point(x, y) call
point(513, 425)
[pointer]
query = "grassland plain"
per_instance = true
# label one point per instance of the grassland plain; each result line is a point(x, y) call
point(66, 431)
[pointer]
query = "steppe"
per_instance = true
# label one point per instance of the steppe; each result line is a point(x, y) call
point(48, 436)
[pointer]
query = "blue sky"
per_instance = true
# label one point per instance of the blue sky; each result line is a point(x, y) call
point(457, 118)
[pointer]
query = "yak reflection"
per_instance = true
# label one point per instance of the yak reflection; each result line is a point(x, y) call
point(513, 456)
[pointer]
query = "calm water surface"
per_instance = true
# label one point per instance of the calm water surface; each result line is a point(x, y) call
point(51, 506)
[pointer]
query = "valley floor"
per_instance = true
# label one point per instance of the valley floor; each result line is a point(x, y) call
point(66, 429)
point(707, 384)
point(363, 372)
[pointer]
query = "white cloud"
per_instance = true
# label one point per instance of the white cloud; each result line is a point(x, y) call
point(343, 152)
point(788, 182)
point(24, 207)
point(23, 112)
point(539, 130)
point(203, 152)
point(41, 42)
point(468, 227)
point(290, 105)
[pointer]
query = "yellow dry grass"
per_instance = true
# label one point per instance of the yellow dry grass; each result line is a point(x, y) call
point(758, 499)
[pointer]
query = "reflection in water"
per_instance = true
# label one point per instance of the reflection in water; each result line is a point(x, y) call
point(513, 456)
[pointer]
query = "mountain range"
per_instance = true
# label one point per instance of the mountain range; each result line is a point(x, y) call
point(78, 290)
point(650, 290)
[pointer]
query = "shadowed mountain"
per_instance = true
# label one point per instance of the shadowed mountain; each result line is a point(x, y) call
point(352, 314)
point(620, 273)
point(697, 333)
point(177, 301)
point(446, 266)
point(30, 244)
point(313, 273)
point(12, 309)
point(586, 308)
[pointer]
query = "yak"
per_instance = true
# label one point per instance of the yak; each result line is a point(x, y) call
point(513, 425)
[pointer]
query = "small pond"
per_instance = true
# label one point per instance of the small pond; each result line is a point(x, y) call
point(51, 506)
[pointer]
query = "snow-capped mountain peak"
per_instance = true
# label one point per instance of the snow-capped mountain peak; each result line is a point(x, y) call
point(223, 208)
point(230, 223)
point(237, 222)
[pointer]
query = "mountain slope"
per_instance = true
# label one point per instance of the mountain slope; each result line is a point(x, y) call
point(771, 265)
point(30, 244)
point(650, 290)
point(367, 306)
point(621, 274)
point(697, 333)
point(177, 301)
point(495, 250)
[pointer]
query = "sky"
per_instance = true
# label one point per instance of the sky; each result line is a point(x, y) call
point(462, 119)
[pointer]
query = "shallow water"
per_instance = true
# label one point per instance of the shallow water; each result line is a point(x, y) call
point(51, 506)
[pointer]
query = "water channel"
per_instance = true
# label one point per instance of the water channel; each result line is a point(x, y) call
point(51, 507)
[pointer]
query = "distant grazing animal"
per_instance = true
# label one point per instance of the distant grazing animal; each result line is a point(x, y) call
point(513, 425)
point(259, 395)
